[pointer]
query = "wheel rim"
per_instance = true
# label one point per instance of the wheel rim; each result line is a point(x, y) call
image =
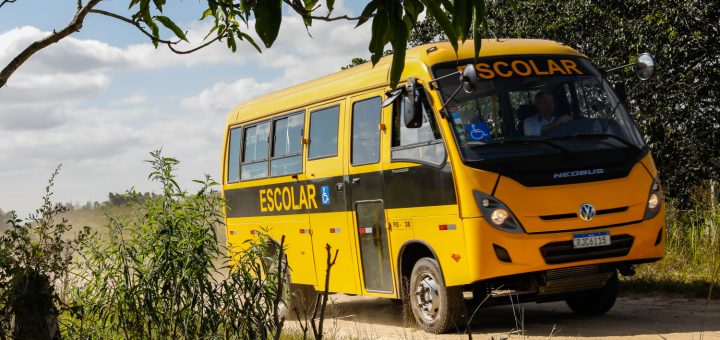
point(426, 296)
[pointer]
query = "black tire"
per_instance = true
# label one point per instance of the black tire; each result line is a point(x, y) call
point(435, 310)
point(595, 301)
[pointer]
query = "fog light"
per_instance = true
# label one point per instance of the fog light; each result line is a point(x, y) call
point(499, 216)
point(653, 201)
point(501, 253)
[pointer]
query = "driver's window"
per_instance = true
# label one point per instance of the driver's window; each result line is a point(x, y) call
point(422, 144)
point(404, 136)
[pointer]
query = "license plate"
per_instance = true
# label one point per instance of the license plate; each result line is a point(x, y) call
point(587, 240)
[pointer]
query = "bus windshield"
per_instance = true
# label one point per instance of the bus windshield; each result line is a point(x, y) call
point(535, 105)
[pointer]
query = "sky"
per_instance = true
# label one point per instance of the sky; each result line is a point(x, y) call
point(99, 101)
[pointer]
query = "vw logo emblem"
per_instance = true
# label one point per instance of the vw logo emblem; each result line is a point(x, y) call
point(587, 212)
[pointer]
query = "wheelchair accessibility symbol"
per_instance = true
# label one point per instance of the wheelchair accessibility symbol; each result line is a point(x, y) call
point(478, 132)
point(325, 194)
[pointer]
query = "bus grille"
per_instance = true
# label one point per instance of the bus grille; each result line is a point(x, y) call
point(571, 280)
point(563, 252)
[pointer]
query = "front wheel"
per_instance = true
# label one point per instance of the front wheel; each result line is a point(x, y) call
point(595, 301)
point(436, 308)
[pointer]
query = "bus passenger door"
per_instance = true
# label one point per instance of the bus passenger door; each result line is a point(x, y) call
point(327, 197)
point(366, 192)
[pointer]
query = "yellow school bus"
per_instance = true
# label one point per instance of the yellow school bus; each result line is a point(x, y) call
point(518, 172)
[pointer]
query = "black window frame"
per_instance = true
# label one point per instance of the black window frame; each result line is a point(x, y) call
point(337, 132)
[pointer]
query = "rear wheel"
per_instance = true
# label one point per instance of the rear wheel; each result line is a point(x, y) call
point(595, 301)
point(435, 307)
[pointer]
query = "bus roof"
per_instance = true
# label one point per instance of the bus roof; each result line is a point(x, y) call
point(366, 76)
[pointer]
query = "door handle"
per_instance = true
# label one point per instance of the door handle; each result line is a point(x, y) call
point(355, 180)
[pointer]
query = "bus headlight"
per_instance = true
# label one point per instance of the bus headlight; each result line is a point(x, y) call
point(496, 213)
point(499, 216)
point(654, 200)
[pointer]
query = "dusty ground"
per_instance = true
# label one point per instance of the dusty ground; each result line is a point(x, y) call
point(634, 316)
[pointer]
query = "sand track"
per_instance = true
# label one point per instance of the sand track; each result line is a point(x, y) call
point(634, 316)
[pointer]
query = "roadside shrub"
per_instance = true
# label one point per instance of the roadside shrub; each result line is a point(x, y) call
point(35, 257)
point(691, 265)
point(163, 274)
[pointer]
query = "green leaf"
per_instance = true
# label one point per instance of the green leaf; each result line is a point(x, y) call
point(378, 37)
point(155, 32)
point(413, 8)
point(220, 28)
point(478, 18)
point(208, 12)
point(231, 43)
point(330, 5)
point(448, 5)
point(367, 12)
point(436, 12)
point(247, 37)
point(399, 44)
point(145, 11)
point(159, 4)
point(462, 16)
point(268, 16)
point(310, 4)
point(169, 24)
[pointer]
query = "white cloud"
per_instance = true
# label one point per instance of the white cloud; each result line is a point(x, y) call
point(61, 107)
point(298, 56)
point(137, 99)
point(41, 101)
point(223, 97)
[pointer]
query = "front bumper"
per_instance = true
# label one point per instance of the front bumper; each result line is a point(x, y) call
point(633, 242)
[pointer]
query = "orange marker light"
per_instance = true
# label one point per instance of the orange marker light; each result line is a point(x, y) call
point(455, 257)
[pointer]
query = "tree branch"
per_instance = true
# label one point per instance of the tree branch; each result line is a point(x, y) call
point(307, 14)
point(6, 2)
point(169, 43)
point(74, 26)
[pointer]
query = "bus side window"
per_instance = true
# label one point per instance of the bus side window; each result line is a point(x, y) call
point(324, 132)
point(233, 156)
point(423, 144)
point(255, 155)
point(365, 131)
point(287, 145)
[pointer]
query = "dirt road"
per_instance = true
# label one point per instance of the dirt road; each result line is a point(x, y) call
point(634, 316)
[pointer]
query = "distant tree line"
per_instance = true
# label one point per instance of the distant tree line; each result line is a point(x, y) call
point(4, 218)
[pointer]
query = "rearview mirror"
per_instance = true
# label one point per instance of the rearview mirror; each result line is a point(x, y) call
point(469, 78)
point(412, 105)
point(645, 66)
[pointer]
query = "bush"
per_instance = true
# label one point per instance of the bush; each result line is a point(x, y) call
point(691, 265)
point(164, 275)
point(35, 259)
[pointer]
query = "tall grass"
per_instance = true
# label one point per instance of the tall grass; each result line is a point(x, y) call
point(691, 265)
point(158, 272)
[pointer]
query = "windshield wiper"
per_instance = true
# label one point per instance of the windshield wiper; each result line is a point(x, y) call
point(599, 135)
point(545, 141)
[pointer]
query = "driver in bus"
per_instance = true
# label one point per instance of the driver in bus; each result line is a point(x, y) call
point(545, 119)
